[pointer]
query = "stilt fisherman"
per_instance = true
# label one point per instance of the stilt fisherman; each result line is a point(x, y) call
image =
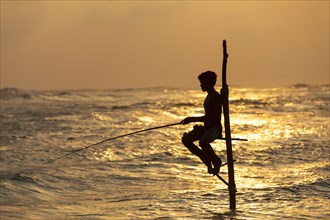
point(211, 129)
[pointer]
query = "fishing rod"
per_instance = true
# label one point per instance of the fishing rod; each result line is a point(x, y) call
point(110, 139)
point(18, 174)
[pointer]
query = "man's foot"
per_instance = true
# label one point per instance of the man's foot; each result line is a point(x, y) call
point(210, 169)
point(207, 163)
point(217, 164)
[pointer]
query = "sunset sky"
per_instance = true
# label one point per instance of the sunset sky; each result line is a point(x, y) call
point(124, 44)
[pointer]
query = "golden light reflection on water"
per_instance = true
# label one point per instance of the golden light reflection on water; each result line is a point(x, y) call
point(262, 180)
point(261, 129)
point(101, 117)
point(283, 168)
point(147, 120)
point(256, 168)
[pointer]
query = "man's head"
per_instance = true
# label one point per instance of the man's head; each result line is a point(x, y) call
point(207, 80)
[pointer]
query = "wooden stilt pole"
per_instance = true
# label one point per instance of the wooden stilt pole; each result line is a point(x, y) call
point(225, 95)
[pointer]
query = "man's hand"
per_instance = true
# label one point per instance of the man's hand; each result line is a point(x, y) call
point(186, 120)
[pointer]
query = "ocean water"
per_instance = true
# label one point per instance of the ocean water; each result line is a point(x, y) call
point(282, 172)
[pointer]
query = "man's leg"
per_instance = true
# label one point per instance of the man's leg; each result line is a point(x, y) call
point(188, 141)
point(208, 137)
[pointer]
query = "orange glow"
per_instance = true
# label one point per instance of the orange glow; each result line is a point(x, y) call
point(116, 44)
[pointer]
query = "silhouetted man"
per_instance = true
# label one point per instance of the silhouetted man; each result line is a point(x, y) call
point(211, 129)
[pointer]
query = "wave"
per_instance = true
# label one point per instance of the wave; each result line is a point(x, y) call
point(252, 102)
point(300, 85)
point(154, 105)
point(318, 186)
point(11, 92)
point(307, 86)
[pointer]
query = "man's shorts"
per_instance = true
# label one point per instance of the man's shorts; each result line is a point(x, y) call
point(199, 133)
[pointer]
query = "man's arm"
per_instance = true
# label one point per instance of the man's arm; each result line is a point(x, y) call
point(193, 119)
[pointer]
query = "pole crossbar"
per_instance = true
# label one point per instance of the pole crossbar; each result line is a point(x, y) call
point(222, 179)
point(234, 139)
point(231, 188)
